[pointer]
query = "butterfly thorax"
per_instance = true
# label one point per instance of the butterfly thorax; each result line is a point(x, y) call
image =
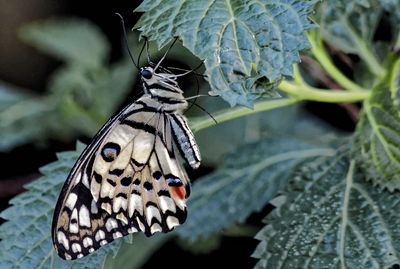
point(164, 89)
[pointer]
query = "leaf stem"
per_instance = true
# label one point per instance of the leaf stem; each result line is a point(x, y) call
point(326, 63)
point(366, 54)
point(199, 123)
point(349, 183)
point(306, 92)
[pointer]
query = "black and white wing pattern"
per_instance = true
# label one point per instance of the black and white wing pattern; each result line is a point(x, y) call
point(129, 178)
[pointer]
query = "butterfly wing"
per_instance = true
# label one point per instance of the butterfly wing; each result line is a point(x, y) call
point(127, 180)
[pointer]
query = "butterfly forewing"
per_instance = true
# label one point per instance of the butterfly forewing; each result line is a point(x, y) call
point(129, 178)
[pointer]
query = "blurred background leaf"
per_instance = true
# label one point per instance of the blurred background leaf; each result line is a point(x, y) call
point(72, 40)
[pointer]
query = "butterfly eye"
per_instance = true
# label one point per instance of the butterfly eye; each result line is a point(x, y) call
point(146, 74)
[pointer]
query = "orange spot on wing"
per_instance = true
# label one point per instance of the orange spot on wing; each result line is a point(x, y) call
point(178, 192)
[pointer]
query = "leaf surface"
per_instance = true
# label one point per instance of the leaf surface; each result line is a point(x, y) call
point(244, 43)
point(377, 139)
point(259, 169)
point(331, 218)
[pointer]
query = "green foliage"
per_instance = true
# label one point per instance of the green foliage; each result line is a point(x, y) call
point(331, 218)
point(19, 114)
point(243, 43)
point(377, 140)
point(79, 98)
point(58, 37)
point(259, 169)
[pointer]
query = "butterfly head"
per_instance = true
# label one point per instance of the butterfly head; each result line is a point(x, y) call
point(162, 86)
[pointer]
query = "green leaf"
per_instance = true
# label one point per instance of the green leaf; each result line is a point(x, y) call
point(87, 98)
point(10, 95)
point(19, 122)
point(377, 140)
point(391, 6)
point(294, 121)
point(395, 85)
point(331, 218)
point(258, 169)
point(351, 28)
point(240, 40)
point(347, 3)
point(26, 235)
point(135, 254)
point(70, 39)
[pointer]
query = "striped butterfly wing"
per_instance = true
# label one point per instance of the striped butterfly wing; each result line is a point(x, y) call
point(127, 180)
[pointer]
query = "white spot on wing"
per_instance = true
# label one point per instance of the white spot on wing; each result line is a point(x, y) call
point(71, 200)
point(73, 227)
point(87, 241)
point(135, 202)
point(152, 212)
point(62, 239)
point(132, 230)
point(85, 181)
point(100, 235)
point(93, 207)
point(117, 235)
point(111, 223)
point(106, 207)
point(119, 202)
point(155, 228)
point(76, 248)
point(84, 218)
point(180, 203)
point(172, 222)
point(166, 203)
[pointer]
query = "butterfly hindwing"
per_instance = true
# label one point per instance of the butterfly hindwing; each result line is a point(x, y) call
point(127, 180)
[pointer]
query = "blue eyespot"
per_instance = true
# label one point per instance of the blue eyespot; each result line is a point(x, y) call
point(146, 74)
point(110, 151)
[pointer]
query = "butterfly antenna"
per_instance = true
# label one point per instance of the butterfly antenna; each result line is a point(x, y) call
point(197, 93)
point(165, 54)
point(140, 54)
point(189, 71)
point(126, 39)
point(208, 113)
point(186, 70)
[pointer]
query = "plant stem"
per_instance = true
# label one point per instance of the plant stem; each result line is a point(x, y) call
point(306, 92)
point(197, 124)
point(326, 63)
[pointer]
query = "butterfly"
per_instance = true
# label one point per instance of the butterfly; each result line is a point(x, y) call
point(129, 178)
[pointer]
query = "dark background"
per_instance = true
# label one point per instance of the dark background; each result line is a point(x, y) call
point(24, 66)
